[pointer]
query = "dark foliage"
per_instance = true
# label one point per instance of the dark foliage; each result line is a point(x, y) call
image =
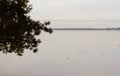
point(17, 30)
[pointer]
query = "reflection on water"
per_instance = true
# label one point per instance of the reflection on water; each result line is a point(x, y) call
point(68, 53)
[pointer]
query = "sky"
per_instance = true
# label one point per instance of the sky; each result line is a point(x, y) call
point(76, 9)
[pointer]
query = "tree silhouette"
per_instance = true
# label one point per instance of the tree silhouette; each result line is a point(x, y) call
point(17, 30)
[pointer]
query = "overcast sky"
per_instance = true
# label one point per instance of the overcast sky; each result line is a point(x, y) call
point(76, 9)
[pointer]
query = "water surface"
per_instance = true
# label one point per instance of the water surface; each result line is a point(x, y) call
point(68, 53)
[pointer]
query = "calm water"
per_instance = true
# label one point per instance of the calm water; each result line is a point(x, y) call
point(68, 53)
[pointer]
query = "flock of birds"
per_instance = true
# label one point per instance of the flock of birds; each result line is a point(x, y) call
point(84, 51)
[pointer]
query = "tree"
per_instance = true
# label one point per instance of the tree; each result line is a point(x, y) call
point(17, 30)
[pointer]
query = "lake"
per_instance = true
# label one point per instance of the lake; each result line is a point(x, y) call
point(68, 53)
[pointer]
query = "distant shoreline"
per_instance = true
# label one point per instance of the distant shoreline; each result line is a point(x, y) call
point(77, 29)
